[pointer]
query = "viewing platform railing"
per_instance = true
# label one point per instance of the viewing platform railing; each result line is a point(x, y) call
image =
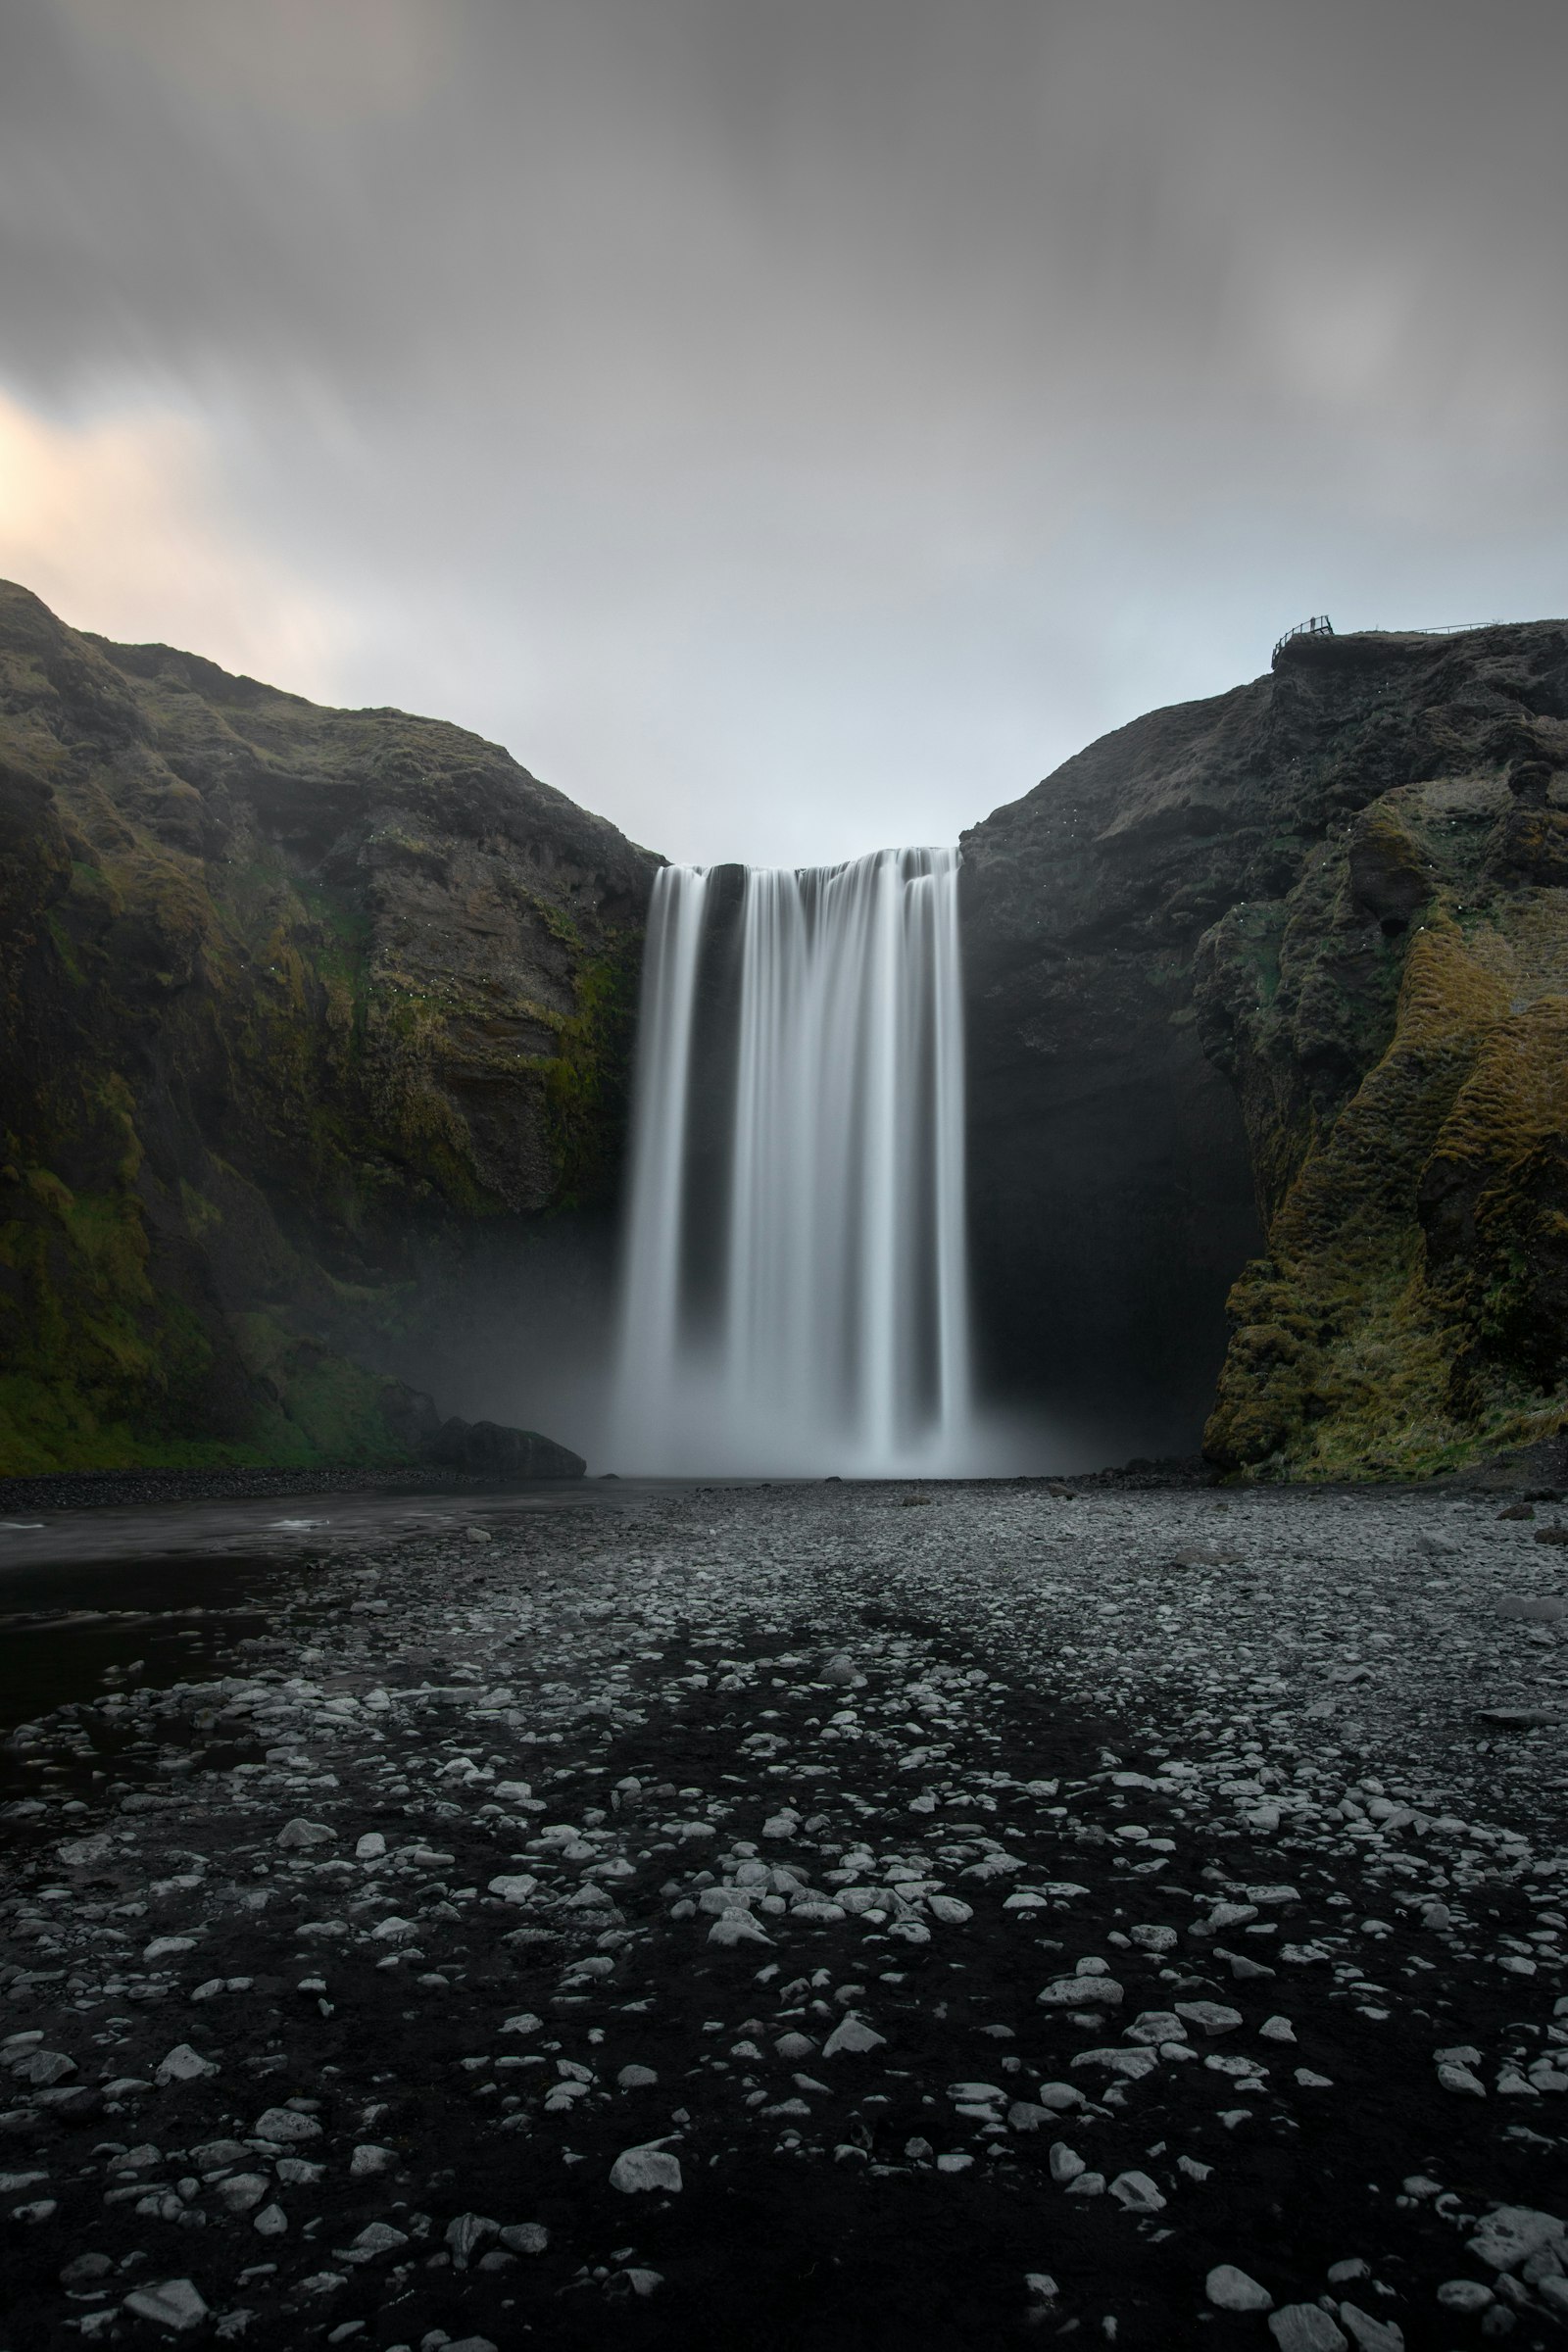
point(1319, 625)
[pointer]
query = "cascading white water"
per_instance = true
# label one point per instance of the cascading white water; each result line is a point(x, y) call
point(795, 1291)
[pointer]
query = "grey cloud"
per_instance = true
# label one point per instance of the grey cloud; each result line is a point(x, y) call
point(790, 421)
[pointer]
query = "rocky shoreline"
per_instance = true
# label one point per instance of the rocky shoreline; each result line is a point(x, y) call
point(820, 1915)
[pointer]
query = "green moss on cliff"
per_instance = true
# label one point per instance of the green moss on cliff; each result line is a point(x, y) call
point(241, 933)
point(586, 1079)
point(1398, 1326)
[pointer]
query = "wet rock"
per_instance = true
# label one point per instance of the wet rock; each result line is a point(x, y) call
point(1137, 2193)
point(183, 2065)
point(286, 2125)
point(1305, 2328)
point(525, 2237)
point(1465, 2295)
point(176, 2305)
point(852, 2038)
point(1370, 2334)
point(1209, 2017)
point(242, 2192)
point(1082, 1992)
point(466, 2234)
point(1509, 2237)
point(646, 2168)
point(1231, 2289)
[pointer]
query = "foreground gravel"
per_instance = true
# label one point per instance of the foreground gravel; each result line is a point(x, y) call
point(814, 1917)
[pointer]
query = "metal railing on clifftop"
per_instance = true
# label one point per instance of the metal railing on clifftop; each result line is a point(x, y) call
point(1319, 625)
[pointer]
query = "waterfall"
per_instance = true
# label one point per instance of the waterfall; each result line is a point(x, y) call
point(795, 1293)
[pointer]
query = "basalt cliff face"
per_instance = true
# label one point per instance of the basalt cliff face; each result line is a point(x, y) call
point(306, 1018)
point(1272, 989)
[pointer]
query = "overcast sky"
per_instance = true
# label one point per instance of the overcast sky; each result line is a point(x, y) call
point(788, 425)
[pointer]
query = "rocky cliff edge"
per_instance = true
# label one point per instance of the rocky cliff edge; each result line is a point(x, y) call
point(297, 1006)
point(1280, 979)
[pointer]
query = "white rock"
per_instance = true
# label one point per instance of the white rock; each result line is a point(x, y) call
point(636, 2078)
point(1457, 2078)
point(1277, 2028)
point(368, 2158)
point(298, 1834)
point(637, 2169)
point(1082, 1992)
point(183, 2065)
point(1509, 2237)
point(1130, 2065)
point(1305, 2328)
point(1210, 2017)
point(1155, 2025)
point(1138, 2194)
point(43, 2068)
point(1465, 2295)
point(1059, 2097)
point(851, 2037)
point(513, 1888)
point(374, 2240)
point(948, 1909)
point(175, 2304)
point(466, 2233)
point(1232, 2290)
point(242, 2192)
point(371, 1847)
point(285, 2125)
point(1370, 2334)
point(525, 2237)
point(524, 2022)
point(738, 1926)
point(270, 2222)
point(1065, 2163)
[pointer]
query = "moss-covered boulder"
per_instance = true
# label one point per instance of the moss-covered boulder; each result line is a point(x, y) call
point(301, 1010)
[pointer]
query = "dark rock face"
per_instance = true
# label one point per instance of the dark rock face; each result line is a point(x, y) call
point(1110, 1186)
point(1308, 940)
point(304, 1015)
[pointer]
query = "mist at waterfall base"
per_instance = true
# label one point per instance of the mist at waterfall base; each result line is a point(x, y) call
point(795, 1293)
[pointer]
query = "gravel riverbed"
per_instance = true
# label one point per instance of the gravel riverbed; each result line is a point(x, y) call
point(813, 1916)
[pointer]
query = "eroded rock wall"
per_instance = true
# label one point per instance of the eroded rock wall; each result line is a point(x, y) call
point(1342, 892)
point(306, 1018)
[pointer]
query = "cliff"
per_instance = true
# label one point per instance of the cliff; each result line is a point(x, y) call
point(1273, 990)
point(304, 1015)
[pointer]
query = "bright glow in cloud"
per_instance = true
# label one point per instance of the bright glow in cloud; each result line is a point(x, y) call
point(120, 523)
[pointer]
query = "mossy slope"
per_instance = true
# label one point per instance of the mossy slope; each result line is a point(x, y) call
point(1342, 888)
point(294, 1004)
point(1405, 1074)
